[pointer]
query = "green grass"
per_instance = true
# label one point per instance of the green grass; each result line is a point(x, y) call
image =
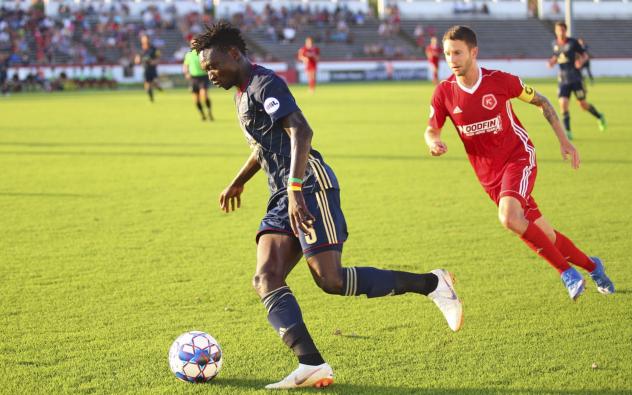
point(112, 244)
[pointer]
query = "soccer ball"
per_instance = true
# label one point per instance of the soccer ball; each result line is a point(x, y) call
point(195, 357)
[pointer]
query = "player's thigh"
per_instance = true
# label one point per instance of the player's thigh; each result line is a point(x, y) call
point(277, 254)
point(510, 208)
point(579, 90)
point(325, 264)
point(329, 229)
point(203, 93)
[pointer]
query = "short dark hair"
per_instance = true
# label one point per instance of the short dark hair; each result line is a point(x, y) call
point(222, 35)
point(562, 24)
point(461, 33)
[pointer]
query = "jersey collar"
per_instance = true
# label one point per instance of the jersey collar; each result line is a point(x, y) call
point(475, 86)
point(242, 89)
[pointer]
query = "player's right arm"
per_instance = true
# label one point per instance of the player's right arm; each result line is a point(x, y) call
point(437, 117)
point(185, 71)
point(231, 195)
point(552, 61)
point(433, 141)
point(185, 67)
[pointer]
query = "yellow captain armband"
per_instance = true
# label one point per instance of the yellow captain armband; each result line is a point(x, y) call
point(527, 94)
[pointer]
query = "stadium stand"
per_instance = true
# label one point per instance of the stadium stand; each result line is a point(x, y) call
point(108, 34)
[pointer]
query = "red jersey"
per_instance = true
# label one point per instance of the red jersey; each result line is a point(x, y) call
point(483, 116)
point(311, 54)
point(433, 52)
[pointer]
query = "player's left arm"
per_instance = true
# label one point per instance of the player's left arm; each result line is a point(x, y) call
point(529, 95)
point(296, 126)
point(581, 60)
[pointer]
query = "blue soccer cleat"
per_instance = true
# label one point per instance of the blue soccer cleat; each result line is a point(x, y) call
point(604, 284)
point(574, 282)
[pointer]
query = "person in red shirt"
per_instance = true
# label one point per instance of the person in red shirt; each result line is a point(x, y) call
point(309, 54)
point(433, 52)
point(478, 101)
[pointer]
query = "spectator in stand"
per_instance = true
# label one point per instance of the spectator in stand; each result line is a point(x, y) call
point(420, 39)
point(4, 73)
point(309, 55)
point(433, 54)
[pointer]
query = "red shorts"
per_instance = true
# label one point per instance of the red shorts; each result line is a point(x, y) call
point(517, 179)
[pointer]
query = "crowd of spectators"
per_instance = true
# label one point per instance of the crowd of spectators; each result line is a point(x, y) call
point(85, 36)
point(106, 33)
point(281, 25)
point(80, 77)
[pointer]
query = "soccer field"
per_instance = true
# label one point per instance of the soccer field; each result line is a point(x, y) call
point(112, 244)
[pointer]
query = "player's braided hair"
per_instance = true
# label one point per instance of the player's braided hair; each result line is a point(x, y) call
point(221, 35)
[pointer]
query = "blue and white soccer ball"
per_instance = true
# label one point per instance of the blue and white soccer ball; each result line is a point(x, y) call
point(195, 357)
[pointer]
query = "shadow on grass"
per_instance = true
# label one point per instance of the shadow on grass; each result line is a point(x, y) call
point(423, 156)
point(112, 144)
point(44, 194)
point(255, 384)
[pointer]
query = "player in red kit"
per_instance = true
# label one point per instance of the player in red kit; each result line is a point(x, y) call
point(309, 54)
point(478, 101)
point(433, 52)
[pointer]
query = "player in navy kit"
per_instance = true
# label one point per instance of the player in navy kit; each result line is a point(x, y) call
point(570, 57)
point(149, 59)
point(304, 217)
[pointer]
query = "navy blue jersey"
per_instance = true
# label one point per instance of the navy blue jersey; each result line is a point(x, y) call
point(148, 56)
point(566, 54)
point(260, 110)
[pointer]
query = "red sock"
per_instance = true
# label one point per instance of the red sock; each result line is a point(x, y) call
point(540, 243)
point(573, 254)
point(312, 83)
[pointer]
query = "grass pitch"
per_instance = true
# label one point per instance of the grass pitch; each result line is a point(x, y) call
point(112, 244)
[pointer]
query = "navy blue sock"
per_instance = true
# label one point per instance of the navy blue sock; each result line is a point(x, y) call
point(367, 281)
point(593, 111)
point(199, 107)
point(150, 92)
point(374, 282)
point(566, 116)
point(285, 316)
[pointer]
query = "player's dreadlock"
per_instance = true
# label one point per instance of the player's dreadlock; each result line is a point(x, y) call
point(222, 35)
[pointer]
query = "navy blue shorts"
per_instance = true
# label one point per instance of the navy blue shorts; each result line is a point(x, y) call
point(150, 74)
point(198, 83)
point(564, 90)
point(329, 231)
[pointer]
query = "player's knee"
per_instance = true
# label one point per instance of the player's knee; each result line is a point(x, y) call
point(510, 219)
point(331, 284)
point(266, 280)
point(584, 104)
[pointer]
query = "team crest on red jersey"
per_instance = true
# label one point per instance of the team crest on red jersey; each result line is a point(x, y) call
point(489, 101)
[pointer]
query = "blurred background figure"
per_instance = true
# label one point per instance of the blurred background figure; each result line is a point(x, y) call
point(433, 54)
point(149, 59)
point(586, 65)
point(309, 54)
point(198, 81)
